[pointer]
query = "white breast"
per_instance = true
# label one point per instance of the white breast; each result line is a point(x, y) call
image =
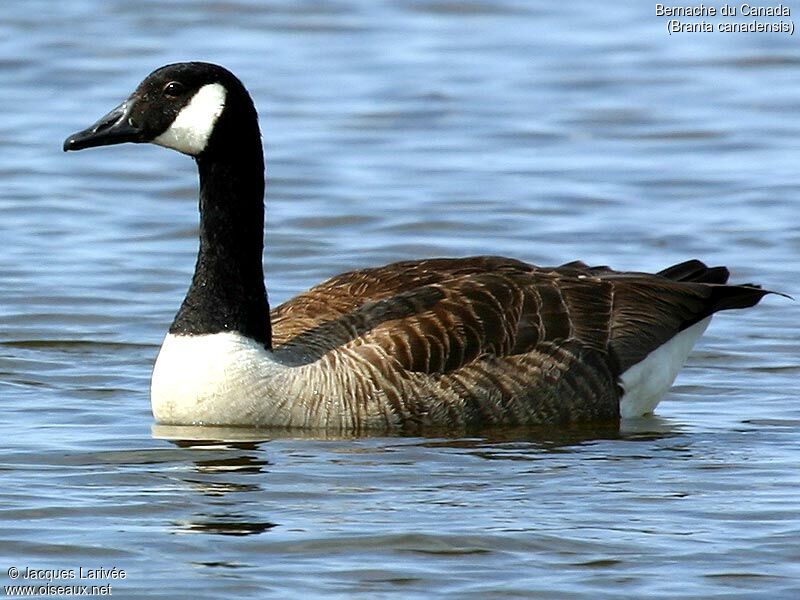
point(221, 378)
point(646, 382)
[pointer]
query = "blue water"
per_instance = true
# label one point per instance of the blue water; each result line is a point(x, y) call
point(544, 131)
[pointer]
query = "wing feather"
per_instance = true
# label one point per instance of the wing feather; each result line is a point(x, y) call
point(442, 315)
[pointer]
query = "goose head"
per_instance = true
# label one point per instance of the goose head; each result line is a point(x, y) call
point(190, 107)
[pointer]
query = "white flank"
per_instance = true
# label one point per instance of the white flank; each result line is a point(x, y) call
point(647, 381)
point(192, 127)
point(221, 378)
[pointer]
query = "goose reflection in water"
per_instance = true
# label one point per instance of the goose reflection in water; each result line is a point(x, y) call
point(214, 468)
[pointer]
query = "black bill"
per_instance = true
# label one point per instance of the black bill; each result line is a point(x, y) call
point(113, 128)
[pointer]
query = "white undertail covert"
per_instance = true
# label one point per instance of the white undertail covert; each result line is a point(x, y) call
point(646, 382)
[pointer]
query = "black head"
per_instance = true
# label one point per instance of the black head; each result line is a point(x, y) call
point(179, 106)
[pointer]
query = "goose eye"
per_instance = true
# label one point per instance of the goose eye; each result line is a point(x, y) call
point(173, 89)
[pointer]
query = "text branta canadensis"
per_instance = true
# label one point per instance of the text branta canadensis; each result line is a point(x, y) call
point(464, 342)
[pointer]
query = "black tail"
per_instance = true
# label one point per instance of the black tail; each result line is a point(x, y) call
point(726, 297)
point(696, 271)
point(723, 297)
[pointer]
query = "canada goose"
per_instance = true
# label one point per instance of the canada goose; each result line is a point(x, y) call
point(463, 342)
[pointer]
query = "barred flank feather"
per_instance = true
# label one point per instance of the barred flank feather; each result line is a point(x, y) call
point(490, 340)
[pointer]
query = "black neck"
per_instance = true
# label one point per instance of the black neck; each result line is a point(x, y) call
point(227, 291)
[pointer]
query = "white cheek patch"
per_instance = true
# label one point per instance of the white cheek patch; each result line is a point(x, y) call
point(192, 127)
